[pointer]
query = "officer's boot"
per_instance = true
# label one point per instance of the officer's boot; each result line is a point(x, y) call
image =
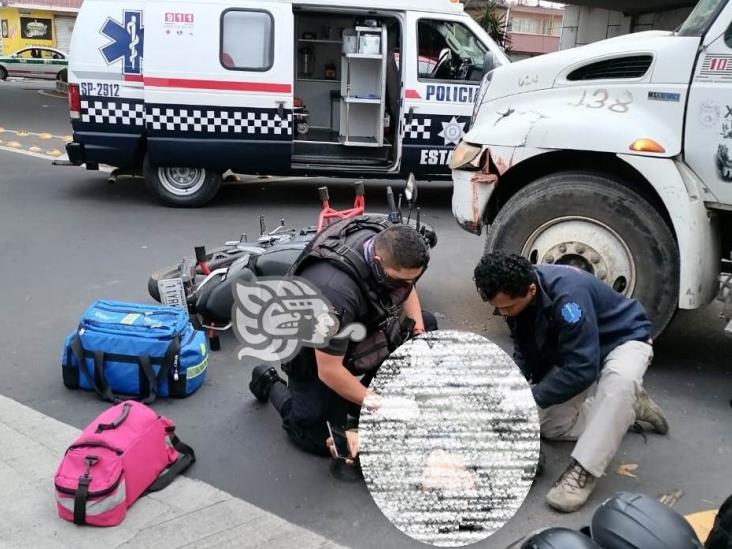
point(263, 378)
point(649, 412)
point(571, 491)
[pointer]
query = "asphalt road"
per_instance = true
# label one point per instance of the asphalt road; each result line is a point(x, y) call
point(68, 238)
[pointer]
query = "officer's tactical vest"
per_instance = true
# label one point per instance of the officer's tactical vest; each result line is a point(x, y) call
point(341, 244)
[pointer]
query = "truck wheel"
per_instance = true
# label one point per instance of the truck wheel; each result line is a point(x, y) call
point(182, 187)
point(597, 224)
point(63, 75)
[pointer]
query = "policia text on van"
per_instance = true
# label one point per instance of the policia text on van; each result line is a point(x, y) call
point(277, 87)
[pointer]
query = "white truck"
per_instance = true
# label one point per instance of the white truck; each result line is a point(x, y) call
point(615, 157)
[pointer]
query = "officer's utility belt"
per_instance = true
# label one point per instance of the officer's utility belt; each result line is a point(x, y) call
point(366, 356)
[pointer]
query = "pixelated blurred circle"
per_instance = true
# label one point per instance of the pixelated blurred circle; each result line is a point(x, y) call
point(450, 455)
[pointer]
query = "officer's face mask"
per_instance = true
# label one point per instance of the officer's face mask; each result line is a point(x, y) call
point(387, 281)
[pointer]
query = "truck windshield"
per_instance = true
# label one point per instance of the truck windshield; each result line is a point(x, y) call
point(701, 18)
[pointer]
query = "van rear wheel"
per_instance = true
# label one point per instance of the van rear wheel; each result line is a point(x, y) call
point(182, 187)
point(597, 224)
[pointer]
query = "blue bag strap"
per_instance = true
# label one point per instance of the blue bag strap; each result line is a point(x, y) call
point(97, 381)
point(152, 381)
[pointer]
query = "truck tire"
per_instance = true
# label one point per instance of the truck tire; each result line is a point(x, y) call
point(63, 75)
point(182, 187)
point(595, 223)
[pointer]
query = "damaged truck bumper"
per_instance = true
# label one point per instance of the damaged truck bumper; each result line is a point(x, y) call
point(474, 184)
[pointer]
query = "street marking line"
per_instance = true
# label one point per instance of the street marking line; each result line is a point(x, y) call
point(57, 96)
point(54, 153)
point(102, 168)
point(14, 144)
point(43, 135)
point(28, 153)
point(702, 522)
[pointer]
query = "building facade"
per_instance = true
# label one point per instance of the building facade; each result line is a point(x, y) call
point(533, 29)
point(36, 23)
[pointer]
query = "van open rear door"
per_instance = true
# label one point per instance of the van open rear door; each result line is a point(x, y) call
point(218, 85)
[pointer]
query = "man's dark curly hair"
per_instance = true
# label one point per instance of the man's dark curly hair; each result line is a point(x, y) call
point(498, 272)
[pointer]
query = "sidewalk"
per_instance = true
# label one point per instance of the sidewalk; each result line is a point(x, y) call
point(189, 513)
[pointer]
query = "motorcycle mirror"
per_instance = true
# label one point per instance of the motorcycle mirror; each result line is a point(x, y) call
point(410, 190)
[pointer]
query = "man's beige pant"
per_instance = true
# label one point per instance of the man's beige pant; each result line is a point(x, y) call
point(599, 417)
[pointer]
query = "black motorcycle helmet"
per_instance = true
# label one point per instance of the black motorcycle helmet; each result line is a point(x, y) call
point(559, 538)
point(635, 521)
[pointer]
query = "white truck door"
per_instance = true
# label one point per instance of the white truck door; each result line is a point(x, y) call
point(708, 140)
point(219, 84)
point(443, 61)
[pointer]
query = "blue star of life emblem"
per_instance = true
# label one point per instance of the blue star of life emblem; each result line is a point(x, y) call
point(571, 313)
point(127, 41)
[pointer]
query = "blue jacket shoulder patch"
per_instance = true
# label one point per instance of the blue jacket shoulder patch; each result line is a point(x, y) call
point(571, 313)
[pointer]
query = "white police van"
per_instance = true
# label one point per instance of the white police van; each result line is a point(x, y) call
point(187, 90)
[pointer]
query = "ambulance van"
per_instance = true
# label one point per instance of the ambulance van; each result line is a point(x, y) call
point(185, 91)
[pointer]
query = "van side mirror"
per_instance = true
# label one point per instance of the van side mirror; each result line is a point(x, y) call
point(489, 62)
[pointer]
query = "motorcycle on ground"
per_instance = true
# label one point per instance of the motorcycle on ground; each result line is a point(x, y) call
point(203, 285)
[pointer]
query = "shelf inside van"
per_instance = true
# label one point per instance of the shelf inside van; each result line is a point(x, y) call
point(364, 100)
point(355, 140)
point(363, 55)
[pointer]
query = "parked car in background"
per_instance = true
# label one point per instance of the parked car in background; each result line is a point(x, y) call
point(35, 62)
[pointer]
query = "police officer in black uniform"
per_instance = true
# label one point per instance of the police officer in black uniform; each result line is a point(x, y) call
point(367, 269)
point(585, 349)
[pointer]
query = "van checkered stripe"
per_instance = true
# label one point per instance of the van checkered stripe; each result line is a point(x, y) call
point(113, 112)
point(109, 114)
point(219, 121)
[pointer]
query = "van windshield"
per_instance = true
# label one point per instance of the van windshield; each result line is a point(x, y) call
point(701, 18)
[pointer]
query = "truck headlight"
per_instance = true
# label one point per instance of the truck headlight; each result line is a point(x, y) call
point(464, 155)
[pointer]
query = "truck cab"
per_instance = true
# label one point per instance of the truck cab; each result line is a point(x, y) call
point(615, 157)
point(283, 87)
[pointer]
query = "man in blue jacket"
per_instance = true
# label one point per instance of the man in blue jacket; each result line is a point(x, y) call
point(584, 349)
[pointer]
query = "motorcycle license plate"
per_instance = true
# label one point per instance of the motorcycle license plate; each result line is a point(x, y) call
point(172, 293)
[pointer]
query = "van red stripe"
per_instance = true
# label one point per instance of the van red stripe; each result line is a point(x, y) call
point(133, 78)
point(217, 85)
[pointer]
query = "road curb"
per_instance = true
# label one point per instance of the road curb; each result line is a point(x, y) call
point(188, 513)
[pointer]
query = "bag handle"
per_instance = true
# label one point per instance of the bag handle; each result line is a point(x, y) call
point(102, 388)
point(99, 382)
point(117, 422)
point(186, 459)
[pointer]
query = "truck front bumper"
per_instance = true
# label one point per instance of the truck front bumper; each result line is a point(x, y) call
point(471, 191)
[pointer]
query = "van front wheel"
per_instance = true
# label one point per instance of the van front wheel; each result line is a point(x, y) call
point(182, 187)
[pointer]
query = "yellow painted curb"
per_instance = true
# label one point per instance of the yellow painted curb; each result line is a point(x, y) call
point(14, 144)
point(2, 130)
point(45, 135)
point(702, 523)
point(53, 152)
